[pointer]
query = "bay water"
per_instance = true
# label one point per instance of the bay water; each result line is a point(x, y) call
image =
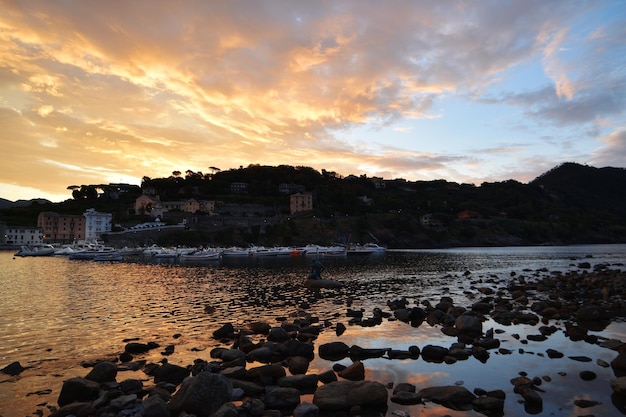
point(57, 314)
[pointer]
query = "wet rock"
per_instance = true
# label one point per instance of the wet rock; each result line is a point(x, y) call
point(102, 372)
point(453, 397)
point(406, 398)
point(619, 386)
point(359, 353)
point(327, 377)
point(123, 401)
point(298, 365)
point(306, 383)
point(13, 369)
point(591, 313)
point(342, 395)
point(587, 375)
point(489, 406)
point(78, 390)
point(554, 354)
point(340, 329)
point(619, 365)
point(480, 353)
point(353, 372)
point(131, 386)
point(202, 395)
point(585, 403)
point(306, 409)
point(226, 410)
point(333, 351)
point(77, 409)
point(282, 398)
point(260, 327)
point(263, 355)
point(278, 335)
point(266, 374)
point(432, 353)
point(469, 325)
point(136, 347)
point(404, 387)
point(227, 331)
point(170, 373)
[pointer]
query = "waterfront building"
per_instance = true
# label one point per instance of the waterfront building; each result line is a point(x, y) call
point(18, 236)
point(96, 223)
point(62, 228)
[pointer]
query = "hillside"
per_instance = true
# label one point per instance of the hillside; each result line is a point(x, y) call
point(569, 204)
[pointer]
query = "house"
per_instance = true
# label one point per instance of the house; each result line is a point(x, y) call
point(300, 202)
point(96, 224)
point(62, 228)
point(17, 236)
point(291, 188)
point(239, 188)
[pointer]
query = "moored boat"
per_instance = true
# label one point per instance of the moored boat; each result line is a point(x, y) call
point(46, 250)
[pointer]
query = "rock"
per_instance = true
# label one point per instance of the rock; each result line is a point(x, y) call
point(619, 364)
point(306, 409)
point(278, 335)
point(404, 387)
point(282, 398)
point(260, 327)
point(406, 398)
point(489, 406)
point(554, 354)
point(306, 383)
point(353, 372)
point(432, 353)
point(78, 390)
point(585, 403)
point(170, 373)
point(131, 386)
point(226, 331)
point(136, 347)
point(342, 395)
point(103, 372)
point(340, 329)
point(328, 377)
point(76, 409)
point(202, 395)
point(469, 325)
point(359, 353)
point(263, 355)
point(298, 365)
point(587, 375)
point(226, 410)
point(123, 401)
point(251, 389)
point(333, 351)
point(266, 374)
point(453, 397)
point(619, 386)
point(13, 369)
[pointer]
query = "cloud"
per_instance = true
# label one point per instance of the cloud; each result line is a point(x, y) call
point(148, 87)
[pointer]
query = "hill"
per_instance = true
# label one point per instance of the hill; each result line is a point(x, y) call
point(570, 204)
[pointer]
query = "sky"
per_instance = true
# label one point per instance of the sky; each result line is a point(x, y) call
point(97, 92)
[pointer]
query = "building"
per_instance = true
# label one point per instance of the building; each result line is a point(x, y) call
point(96, 224)
point(300, 202)
point(291, 188)
point(18, 236)
point(239, 188)
point(154, 207)
point(61, 228)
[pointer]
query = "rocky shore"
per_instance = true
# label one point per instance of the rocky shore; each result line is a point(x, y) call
point(263, 369)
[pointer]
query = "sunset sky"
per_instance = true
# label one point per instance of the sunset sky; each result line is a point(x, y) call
point(469, 91)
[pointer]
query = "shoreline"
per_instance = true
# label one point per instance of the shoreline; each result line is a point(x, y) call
point(587, 303)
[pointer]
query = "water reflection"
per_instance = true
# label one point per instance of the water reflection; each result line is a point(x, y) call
point(57, 312)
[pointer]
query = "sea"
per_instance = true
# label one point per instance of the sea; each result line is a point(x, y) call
point(58, 315)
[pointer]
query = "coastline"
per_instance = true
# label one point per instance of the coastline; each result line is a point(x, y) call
point(514, 325)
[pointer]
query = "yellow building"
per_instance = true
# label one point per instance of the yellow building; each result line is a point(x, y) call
point(300, 202)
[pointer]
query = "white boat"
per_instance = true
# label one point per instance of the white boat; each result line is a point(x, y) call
point(90, 254)
point(368, 248)
point(328, 251)
point(114, 256)
point(236, 251)
point(272, 251)
point(209, 254)
point(45, 250)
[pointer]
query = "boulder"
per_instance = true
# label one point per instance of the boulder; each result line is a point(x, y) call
point(170, 373)
point(469, 324)
point(342, 395)
point(102, 372)
point(202, 395)
point(282, 398)
point(298, 365)
point(78, 390)
point(306, 409)
point(77, 409)
point(453, 397)
point(306, 383)
point(353, 372)
point(333, 351)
